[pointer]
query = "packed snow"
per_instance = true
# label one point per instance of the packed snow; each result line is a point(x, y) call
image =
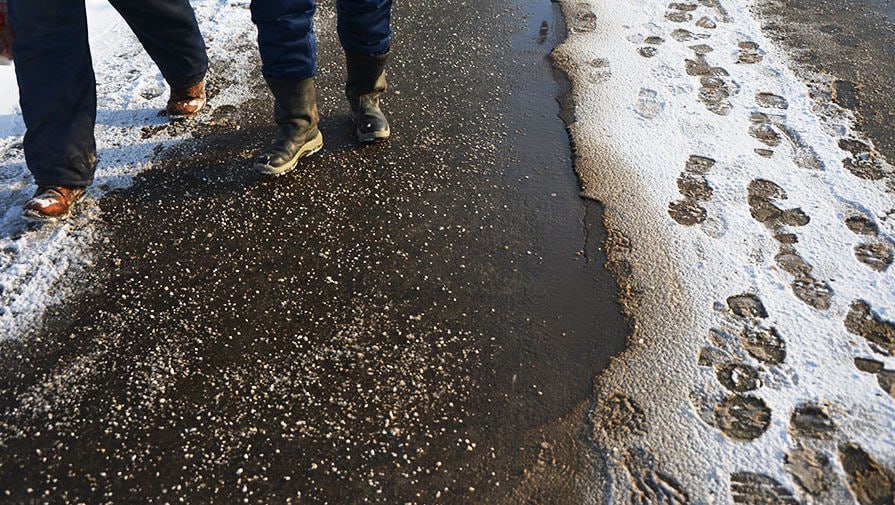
point(754, 261)
point(39, 265)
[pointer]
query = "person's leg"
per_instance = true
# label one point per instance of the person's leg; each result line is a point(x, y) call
point(170, 34)
point(289, 63)
point(365, 26)
point(168, 31)
point(57, 90)
point(365, 34)
point(286, 38)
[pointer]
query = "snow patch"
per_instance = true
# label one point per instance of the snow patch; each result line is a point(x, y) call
point(727, 194)
point(37, 262)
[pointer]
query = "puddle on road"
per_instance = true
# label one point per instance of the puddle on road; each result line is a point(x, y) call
point(413, 322)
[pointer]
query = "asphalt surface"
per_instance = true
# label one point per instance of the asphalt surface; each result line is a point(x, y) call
point(848, 50)
point(418, 321)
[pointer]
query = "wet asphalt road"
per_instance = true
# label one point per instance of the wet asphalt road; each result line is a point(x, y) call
point(418, 321)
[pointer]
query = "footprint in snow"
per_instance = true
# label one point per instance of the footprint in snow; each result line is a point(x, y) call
point(876, 252)
point(756, 489)
point(762, 194)
point(648, 104)
point(619, 419)
point(583, 19)
point(598, 70)
point(652, 46)
point(771, 101)
point(694, 187)
point(740, 415)
point(885, 378)
point(750, 53)
point(863, 321)
point(868, 481)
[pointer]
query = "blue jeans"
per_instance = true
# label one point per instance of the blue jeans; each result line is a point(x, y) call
point(286, 33)
point(56, 81)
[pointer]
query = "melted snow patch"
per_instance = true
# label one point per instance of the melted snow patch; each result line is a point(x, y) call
point(759, 232)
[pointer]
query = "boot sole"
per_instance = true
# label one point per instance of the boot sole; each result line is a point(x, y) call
point(369, 138)
point(33, 217)
point(307, 149)
point(175, 117)
point(36, 217)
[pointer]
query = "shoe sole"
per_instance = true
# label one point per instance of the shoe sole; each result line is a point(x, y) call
point(307, 149)
point(185, 116)
point(369, 138)
point(35, 217)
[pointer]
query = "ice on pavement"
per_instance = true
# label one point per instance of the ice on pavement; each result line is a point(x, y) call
point(752, 232)
point(38, 264)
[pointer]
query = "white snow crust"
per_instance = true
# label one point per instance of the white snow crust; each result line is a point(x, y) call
point(39, 264)
point(637, 121)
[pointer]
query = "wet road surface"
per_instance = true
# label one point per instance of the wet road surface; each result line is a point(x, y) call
point(413, 322)
point(852, 41)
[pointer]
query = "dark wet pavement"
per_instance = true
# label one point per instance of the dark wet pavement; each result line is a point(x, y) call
point(884, 7)
point(852, 41)
point(418, 321)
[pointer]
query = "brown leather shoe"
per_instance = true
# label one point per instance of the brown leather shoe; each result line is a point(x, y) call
point(52, 203)
point(187, 101)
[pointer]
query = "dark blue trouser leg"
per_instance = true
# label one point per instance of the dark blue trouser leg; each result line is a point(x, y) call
point(365, 26)
point(286, 38)
point(168, 31)
point(56, 81)
point(57, 89)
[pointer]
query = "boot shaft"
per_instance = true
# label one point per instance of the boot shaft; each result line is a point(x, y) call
point(366, 76)
point(365, 85)
point(295, 102)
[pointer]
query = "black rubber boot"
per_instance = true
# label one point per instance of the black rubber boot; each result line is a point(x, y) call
point(365, 85)
point(295, 111)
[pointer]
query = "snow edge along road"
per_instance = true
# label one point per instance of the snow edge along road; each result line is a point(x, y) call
point(42, 265)
point(752, 232)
